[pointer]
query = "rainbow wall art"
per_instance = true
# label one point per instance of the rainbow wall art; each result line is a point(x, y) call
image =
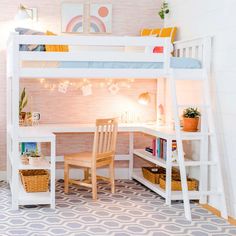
point(72, 17)
point(100, 18)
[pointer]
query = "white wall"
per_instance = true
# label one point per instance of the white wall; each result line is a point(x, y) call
point(217, 18)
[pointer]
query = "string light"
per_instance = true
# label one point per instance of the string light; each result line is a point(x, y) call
point(112, 86)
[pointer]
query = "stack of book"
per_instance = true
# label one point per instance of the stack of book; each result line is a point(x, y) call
point(159, 148)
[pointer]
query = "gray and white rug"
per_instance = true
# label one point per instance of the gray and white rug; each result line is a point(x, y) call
point(133, 210)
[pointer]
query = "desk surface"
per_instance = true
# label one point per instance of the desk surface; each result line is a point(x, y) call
point(147, 128)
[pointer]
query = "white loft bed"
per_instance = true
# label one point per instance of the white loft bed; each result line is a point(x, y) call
point(195, 48)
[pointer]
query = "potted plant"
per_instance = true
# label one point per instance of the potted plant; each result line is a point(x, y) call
point(35, 159)
point(164, 10)
point(22, 104)
point(190, 119)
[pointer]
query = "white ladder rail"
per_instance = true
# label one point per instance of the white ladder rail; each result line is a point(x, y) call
point(214, 144)
point(179, 141)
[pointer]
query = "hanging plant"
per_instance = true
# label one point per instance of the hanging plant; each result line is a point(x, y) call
point(164, 10)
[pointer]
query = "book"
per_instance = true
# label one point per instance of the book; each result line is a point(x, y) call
point(154, 152)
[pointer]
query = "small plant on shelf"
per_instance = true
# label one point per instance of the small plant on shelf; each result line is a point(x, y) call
point(190, 119)
point(22, 104)
point(164, 10)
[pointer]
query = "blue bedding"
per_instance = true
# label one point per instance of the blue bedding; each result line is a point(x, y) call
point(175, 63)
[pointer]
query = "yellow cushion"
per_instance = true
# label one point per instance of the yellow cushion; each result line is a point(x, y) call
point(164, 32)
point(150, 32)
point(56, 48)
point(168, 32)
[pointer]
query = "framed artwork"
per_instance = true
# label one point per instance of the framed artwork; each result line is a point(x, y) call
point(100, 18)
point(29, 147)
point(72, 17)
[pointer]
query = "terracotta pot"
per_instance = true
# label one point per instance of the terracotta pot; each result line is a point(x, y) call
point(22, 115)
point(190, 124)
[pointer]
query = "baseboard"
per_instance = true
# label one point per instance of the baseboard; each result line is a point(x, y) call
point(3, 175)
point(216, 212)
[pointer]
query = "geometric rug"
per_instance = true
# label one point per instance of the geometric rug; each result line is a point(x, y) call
point(132, 210)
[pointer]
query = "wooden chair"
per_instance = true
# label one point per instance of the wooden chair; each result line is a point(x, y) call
point(103, 153)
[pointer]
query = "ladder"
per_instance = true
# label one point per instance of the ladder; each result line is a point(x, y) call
point(205, 135)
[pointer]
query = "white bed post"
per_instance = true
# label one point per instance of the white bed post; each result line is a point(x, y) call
point(15, 119)
point(8, 108)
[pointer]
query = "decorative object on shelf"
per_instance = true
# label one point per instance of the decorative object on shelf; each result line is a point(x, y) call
point(28, 119)
point(176, 183)
point(72, 17)
point(144, 98)
point(35, 180)
point(35, 159)
point(25, 13)
point(28, 147)
point(100, 18)
point(114, 88)
point(35, 118)
point(164, 10)
point(25, 159)
point(22, 104)
point(191, 119)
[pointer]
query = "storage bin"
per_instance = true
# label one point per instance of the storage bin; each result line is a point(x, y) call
point(176, 183)
point(35, 180)
point(152, 174)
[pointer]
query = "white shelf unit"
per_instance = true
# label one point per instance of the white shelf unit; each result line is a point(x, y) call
point(19, 195)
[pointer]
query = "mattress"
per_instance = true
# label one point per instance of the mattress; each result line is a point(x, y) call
point(175, 63)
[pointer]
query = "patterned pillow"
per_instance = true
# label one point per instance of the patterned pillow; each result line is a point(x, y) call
point(30, 47)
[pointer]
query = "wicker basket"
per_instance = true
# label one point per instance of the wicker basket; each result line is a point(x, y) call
point(176, 183)
point(152, 174)
point(35, 180)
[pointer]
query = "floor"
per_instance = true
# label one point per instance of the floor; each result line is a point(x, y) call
point(133, 210)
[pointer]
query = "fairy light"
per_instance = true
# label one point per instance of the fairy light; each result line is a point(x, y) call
point(42, 81)
point(63, 86)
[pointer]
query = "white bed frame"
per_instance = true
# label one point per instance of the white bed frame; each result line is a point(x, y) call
point(196, 48)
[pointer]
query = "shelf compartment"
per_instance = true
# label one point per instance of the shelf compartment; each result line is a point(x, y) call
point(161, 162)
point(175, 195)
point(33, 198)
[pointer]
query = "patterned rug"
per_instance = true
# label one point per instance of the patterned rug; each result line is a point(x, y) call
point(133, 210)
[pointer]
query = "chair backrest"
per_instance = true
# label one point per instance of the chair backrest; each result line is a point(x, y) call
point(105, 138)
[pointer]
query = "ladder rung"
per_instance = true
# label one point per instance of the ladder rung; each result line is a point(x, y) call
point(210, 193)
point(193, 135)
point(197, 163)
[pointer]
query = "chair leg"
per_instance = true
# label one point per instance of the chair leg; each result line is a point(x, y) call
point(86, 173)
point(66, 178)
point(112, 177)
point(94, 183)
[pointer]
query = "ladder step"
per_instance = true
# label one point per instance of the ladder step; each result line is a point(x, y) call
point(189, 162)
point(208, 193)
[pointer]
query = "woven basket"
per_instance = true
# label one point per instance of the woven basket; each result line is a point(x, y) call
point(176, 183)
point(152, 174)
point(35, 180)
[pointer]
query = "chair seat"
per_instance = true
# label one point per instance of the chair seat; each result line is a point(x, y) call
point(84, 158)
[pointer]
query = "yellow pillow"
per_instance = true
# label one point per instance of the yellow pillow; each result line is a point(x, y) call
point(169, 32)
point(56, 48)
point(150, 32)
point(164, 32)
